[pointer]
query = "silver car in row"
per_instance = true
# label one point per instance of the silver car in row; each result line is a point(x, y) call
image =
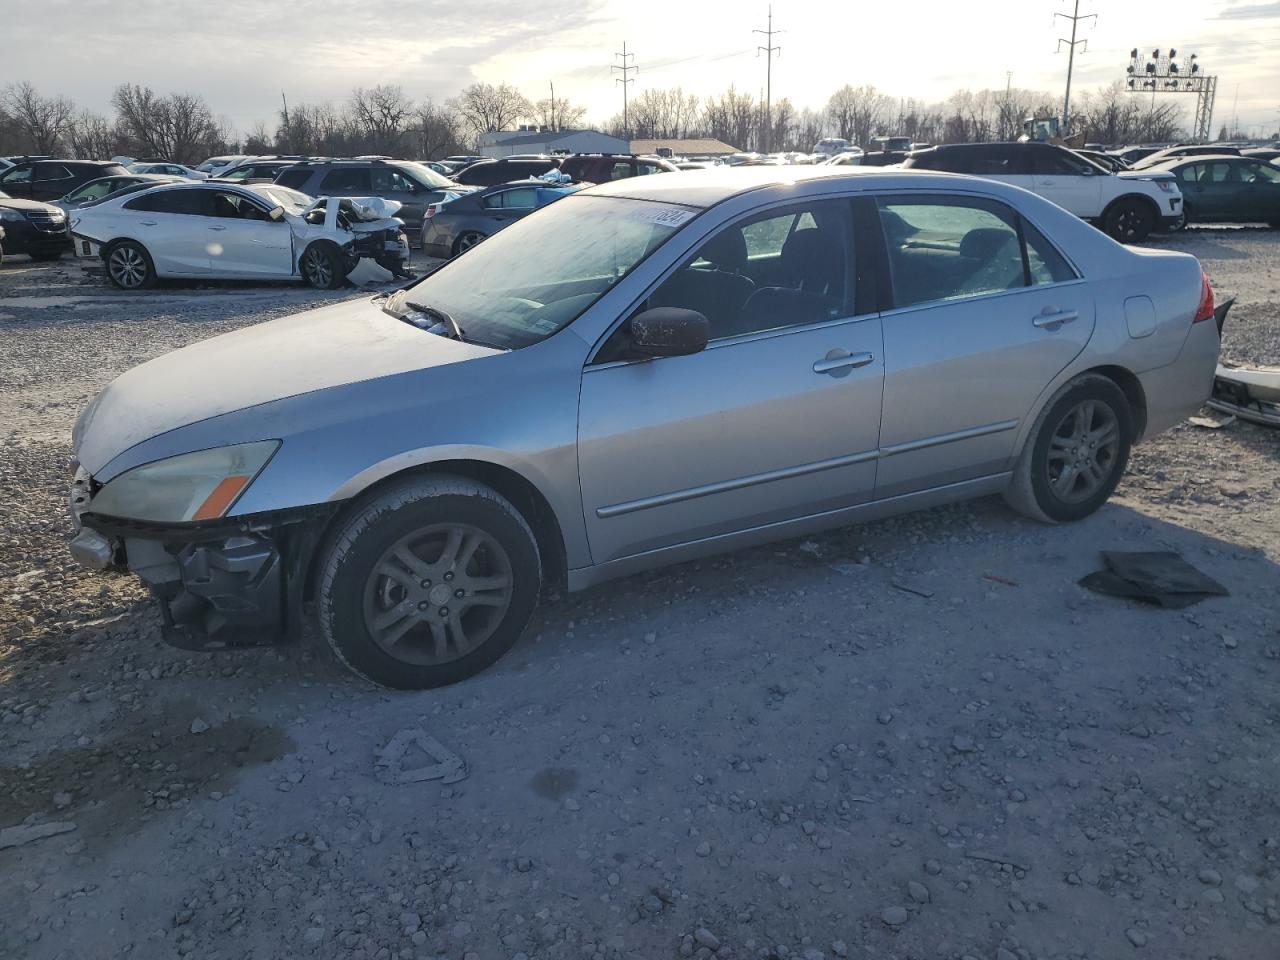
point(642, 373)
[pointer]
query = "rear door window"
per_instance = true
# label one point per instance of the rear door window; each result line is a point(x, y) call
point(294, 179)
point(346, 180)
point(948, 248)
point(51, 171)
point(384, 180)
point(188, 202)
point(521, 198)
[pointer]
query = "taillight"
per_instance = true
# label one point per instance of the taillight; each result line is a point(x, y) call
point(1205, 310)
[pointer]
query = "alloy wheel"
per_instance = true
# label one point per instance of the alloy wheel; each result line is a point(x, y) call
point(468, 240)
point(1083, 451)
point(128, 267)
point(316, 265)
point(438, 593)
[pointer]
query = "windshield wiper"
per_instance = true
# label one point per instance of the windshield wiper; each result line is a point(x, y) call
point(455, 330)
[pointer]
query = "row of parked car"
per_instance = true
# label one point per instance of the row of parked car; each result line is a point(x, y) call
point(227, 218)
point(447, 213)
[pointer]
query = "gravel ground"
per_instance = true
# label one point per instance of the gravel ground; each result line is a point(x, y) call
point(777, 753)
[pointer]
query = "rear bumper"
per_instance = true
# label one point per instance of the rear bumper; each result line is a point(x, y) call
point(1251, 395)
point(1178, 390)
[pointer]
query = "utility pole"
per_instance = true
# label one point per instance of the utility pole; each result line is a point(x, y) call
point(769, 50)
point(1075, 19)
point(553, 107)
point(625, 69)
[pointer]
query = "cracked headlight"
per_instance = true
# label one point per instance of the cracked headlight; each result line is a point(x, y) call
point(193, 486)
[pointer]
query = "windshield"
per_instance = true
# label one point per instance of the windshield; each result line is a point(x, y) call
point(292, 201)
point(428, 177)
point(539, 274)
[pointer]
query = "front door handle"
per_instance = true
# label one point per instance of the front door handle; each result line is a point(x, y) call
point(217, 228)
point(842, 360)
point(147, 223)
point(1052, 320)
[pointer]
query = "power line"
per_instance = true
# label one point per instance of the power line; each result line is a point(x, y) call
point(768, 51)
point(625, 68)
point(1075, 19)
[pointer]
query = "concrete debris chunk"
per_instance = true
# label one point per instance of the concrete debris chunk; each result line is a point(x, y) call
point(446, 767)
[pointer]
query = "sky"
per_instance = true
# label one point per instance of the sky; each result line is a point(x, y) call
point(241, 54)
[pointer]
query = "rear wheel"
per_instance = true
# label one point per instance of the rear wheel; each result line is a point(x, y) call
point(324, 267)
point(428, 583)
point(129, 265)
point(466, 241)
point(1076, 453)
point(1129, 221)
point(1184, 218)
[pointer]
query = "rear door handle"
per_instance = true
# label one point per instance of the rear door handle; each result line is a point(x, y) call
point(1054, 320)
point(147, 223)
point(217, 228)
point(838, 360)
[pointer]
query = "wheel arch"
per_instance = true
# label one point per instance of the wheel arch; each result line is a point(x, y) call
point(1122, 377)
point(515, 487)
point(1150, 203)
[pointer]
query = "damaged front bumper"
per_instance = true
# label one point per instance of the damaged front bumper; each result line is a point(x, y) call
point(219, 584)
point(1251, 393)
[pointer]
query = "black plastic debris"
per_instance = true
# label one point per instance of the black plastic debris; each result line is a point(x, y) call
point(1162, 578)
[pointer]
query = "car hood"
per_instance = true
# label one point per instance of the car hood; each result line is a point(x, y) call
point(13, 203)
point(1146, 173)
point(333, 346)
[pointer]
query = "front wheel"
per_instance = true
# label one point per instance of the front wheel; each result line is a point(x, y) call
point(1184, 219)
point(428, 583)
point(1129, 221)
point(324, 267)
point(129, 266)
point(1075, 454)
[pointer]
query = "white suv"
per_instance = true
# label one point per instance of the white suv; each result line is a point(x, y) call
point(1126, 205)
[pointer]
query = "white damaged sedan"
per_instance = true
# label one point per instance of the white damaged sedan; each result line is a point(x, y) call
point(224, 231)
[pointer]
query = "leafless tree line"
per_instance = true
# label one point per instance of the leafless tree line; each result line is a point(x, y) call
point(1108, 115)
point(385, 120)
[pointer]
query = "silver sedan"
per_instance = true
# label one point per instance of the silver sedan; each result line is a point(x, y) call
point(642, 373)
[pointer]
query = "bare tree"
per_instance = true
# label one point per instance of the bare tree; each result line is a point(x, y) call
point(381, 113)
point(484, 108)
point(258, 141)
point(43, 120)
point(434, 131)
point(179, 127)
point(732, 117)
point(558, 113)
point(92, 137)
point(857, 113)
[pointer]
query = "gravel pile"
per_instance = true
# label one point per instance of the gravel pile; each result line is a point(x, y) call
point(915, 738)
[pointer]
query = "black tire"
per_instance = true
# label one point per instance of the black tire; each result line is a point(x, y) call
point(466, 241)
point(48, 254)
point(1184, 219)
point(354, 591)
point(1041, 486)
point(1129, 221)
point(323, 266)
point(129, 266)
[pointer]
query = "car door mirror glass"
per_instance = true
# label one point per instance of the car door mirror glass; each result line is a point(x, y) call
point(669, 332)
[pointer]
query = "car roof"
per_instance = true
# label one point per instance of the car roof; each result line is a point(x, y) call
point(703, 188)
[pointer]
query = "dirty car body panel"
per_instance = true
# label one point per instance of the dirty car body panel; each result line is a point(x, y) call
point(847, 396)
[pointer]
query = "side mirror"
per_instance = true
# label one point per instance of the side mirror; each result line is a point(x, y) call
point(276, 214)
point(669, 332)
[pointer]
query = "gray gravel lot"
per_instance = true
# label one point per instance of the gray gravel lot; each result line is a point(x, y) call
point(777, 753)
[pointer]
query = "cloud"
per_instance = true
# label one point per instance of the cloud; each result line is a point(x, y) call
point(1251, 11)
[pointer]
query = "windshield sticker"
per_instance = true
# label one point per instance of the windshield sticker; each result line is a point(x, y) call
point(662, 216)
